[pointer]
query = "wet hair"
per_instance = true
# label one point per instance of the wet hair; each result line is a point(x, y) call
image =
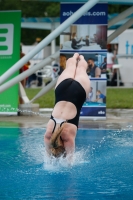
point(56, 144)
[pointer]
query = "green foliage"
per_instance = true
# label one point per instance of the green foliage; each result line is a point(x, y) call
point(53, 10)
point(28, 36)
point(38, 8)
point(32, 9)
point(117, 8)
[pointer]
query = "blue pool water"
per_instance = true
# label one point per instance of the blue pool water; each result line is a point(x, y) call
point(102, 168)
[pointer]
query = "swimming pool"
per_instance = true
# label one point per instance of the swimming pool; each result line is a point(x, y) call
point(102, 166)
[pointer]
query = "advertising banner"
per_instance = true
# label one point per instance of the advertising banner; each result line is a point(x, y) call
point(88, 37)
point(9, 55)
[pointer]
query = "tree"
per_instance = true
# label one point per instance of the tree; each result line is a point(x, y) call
point(32, 9)
point(117, 8)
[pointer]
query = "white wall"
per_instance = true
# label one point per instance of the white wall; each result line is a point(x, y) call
point(125, 41)
point(82, 31)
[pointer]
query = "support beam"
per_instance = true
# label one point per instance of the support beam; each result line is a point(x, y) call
point(45, 90)
point(28, 72)
point(120, 17)
point(48, 39)
point(53, 43)
point(124, 56)
point(120, 30)
point(22, 94)
point(53, 46)
point(119, 2)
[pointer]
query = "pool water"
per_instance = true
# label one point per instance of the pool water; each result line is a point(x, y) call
point(102, 167)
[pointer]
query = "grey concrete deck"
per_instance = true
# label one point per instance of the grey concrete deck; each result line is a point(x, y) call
point(116, 119)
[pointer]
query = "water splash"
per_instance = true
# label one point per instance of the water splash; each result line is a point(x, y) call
point(5, 109)
point(121, 137)
point(32, 148)
point(62, 164)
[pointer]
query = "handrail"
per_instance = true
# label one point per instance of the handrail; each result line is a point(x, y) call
point(28, 72)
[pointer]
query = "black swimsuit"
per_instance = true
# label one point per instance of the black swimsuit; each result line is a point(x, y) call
point(72, 91)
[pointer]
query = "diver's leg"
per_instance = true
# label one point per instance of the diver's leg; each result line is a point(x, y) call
point(68, 136)
point(69, 145)
point(81, 75)
point(70, 69)
point(48, 134)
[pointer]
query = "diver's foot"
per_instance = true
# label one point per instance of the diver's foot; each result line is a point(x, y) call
point(82, 62)
point(81, 57)
point(76, 56)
